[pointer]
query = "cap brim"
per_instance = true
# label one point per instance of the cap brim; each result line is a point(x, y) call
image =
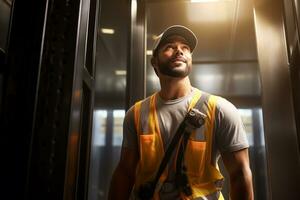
point(182, 31)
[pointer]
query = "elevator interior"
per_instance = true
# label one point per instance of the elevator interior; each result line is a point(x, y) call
point(84, 60)
point(224, 63)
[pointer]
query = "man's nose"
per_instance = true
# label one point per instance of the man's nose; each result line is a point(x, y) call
point(179, 50)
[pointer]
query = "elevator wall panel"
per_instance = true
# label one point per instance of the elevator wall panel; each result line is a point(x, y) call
point(277, 103)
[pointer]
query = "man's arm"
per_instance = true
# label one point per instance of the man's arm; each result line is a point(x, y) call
point(124, 175)
point(237, 165)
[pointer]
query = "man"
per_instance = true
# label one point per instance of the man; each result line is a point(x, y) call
point(150, 125)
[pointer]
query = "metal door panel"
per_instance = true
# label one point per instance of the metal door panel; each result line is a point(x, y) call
point(277, 103)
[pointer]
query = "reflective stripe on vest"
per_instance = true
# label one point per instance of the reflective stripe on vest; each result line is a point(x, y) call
point(204, 178)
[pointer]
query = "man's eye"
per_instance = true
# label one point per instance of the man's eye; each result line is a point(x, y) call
point(185, 47)
point(169, 47)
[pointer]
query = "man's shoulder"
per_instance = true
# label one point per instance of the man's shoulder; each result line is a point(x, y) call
point(211, 95)
point(221, 102)
point(146, 99)
point(142, 101)
point(225, 110)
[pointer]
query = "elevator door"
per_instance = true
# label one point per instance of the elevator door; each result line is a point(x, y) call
point(279, 106)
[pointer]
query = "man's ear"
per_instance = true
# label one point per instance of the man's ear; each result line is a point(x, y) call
point(153, 61)
point(154, 64)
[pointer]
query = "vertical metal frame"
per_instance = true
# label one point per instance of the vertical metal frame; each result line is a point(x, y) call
point(297, 16)
point(59, 156)
point(283, 161)
point(136, 78)
point(80, 122)
point(293, 49)
point(56, 79)
point(75, 132)
point(292, 43)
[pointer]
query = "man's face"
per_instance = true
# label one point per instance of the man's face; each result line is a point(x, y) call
point(174, 57)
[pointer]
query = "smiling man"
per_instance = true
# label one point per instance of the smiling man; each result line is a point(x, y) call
point(151, 126)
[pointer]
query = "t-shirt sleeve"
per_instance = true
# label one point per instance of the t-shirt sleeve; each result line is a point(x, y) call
point(129, 131)
point(230, 131)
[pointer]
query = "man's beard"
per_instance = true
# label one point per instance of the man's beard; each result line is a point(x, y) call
point(166, 68)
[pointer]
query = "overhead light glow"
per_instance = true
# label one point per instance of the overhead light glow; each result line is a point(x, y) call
point(207, 1)
point(218, 12)
point(120, 72)
point(107, 31)
point(149, 52)
point(203, 1)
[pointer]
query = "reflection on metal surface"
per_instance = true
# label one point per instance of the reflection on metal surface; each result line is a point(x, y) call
point(226, 79)
point(111, 74)
point(107, 31)
point(133, 9)
point(212, 82)
point(106, 142)
point(72, 165)
point(279, 119)
point(253, 122)
point(149, 52)
point(118, 116)
point(246, 115)
point(111, 54)
point(99, 127)
point(292, 31)
point(120, 72)
point(137, 55)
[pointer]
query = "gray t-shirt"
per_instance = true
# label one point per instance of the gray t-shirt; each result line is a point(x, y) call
point(229, 133)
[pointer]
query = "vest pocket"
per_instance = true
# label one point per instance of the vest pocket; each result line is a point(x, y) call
point(195, 157)
point(148, 153)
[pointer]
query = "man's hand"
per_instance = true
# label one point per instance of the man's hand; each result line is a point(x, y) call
point(124, 175)
point(237, 165)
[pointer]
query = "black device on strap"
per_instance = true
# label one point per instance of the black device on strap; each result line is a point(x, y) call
point(193, 119)
point(181, 170)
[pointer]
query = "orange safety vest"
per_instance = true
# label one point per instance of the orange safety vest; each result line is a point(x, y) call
point(204, 178)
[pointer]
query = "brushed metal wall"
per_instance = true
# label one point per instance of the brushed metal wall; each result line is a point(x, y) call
point(279, 121)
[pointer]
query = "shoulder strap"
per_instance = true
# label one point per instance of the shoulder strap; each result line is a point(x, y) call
point(199, 105)
point(175, 141)
point(204, 98)
point(181, 177)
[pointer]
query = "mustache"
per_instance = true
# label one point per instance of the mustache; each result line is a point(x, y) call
point(179, 58)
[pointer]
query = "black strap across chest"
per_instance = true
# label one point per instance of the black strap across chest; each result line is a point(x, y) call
point(147, 190)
